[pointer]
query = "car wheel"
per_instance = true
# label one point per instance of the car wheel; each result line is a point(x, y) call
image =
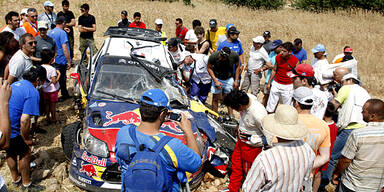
point(70, 136)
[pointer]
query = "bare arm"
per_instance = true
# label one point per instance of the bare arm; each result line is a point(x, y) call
point(336, 104)
point(5, 124)
point(340, 167)
point(203, 48)
point(25, 124)
point(237, 76)
point(322, 158)
point(185, 125)
point(272, 76)
point(11, 79)
point(66, 54)
point(56, 79)
point(82, 29)
point(6, 73)
point(72, 23)
point(89, 29)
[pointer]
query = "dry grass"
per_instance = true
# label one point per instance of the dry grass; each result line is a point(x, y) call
point(363, 31)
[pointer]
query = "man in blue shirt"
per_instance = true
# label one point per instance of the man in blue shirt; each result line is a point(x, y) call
point(234, 44)
point(62, 60)
point(153, 110)
point(23, 104)
point(298, 51)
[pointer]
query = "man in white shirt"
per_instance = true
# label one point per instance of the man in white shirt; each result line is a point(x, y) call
point(320, 63)
point(13, 25)
point(190, 37)
point(258, 62)
point(200, 80)
point(304, 76)
point(21, 60)
point(286, 165)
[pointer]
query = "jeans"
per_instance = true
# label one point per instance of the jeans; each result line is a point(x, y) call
point(340, 141)
point(62, 79)
point(200, 90)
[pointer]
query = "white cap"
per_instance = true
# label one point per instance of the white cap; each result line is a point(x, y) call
point(158, 21)
point(258, 39)
point(42, 24)
point(24, 11)
point(303, 95)
point(350, 76)
point(48, 4)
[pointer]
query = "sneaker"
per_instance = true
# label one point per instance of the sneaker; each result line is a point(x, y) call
point(33, 187)
point(17, 183)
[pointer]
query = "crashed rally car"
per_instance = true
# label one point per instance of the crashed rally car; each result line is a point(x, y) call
point(130, 62)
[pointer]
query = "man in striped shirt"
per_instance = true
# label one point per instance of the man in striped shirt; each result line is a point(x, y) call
point(288, 164)
point(361, 165)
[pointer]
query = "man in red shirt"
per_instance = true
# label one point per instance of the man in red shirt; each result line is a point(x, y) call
point(181, 31)
point(282, 85)
point(136, 21)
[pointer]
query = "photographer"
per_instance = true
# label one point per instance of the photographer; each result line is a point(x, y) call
point(48, 15)
point(154, 108)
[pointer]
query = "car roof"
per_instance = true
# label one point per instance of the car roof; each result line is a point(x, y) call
point(135, 33)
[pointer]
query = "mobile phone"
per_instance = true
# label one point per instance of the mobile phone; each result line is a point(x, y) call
point(174, 116)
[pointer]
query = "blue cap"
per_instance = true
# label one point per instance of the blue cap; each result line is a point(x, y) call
point(156, 97)
point(318, 48)
point(229, 26)
point(276, 43)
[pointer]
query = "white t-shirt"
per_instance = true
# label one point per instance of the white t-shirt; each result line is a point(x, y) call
point(321, 70)
point(250, 122)
point(320, 103)
point(49, 87)
point(257, 58)
point(200, 73)
point(16, 33)
point(191, 36)
point(19, 64)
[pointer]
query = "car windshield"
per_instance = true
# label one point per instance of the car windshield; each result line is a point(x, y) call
point(127, 80)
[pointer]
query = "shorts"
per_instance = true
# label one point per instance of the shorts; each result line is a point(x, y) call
point(17, 146)
point(227, 86)
point(52, 97)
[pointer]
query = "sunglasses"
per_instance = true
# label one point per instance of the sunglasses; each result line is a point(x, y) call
point(32, 42)
point(34, 16)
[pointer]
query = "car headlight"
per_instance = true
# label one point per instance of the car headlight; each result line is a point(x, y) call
point(94, 146)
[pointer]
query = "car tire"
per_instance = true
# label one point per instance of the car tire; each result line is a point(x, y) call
point(70, 136)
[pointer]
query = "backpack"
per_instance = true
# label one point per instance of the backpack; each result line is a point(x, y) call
point(146, 169)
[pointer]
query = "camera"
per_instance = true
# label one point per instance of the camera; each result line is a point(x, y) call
point(174, 116)
point(334, 86)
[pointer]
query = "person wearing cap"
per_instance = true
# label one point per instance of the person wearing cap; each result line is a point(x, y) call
point(258, 62)
point(319, 134)
point(190, 36)
point(21, 60)
point(267, 43)
point(200, 80)
point(31, 25)
point(361, 166)
point(350, 99)
point(251, 138)
point(233, 43)
point(43, 41)
point(87, 27)
point(288, 170)
point(62, 60)
point(213, 34)
point(279, 83)
point(48, 15)
point(70, 22)
point(137, 23)
point(202, 45)
point(304, 77)
point(320, 65)
point(124, 22)
point(298, 50)
point(181, 31)
point(23, 16)
point(224, 79)
point(23, 104)
point(154, 107)
point(276, 49)
point(158, 28)
point(13, 25)
point(225, 36)
point(346, 51)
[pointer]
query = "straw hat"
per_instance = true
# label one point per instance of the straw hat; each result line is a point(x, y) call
point(285, 124)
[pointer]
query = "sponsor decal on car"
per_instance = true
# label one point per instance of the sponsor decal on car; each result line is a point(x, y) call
point(101, 104)
point(84, 180)
point(126, 118)
point(88, 169)
point(93, 159)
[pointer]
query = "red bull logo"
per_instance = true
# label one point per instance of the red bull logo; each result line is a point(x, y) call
point(88, 169)
point(171, 125)
point(94, 160)
point(128, 117)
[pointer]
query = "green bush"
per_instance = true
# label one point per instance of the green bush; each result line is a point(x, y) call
point(257, 4)
point(326, 5)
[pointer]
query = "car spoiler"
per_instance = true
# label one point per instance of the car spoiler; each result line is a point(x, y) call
point(137, 33)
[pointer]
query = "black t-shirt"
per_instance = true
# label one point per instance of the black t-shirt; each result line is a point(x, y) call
point(87, 21)
point(223, 69)
point(123, 23)
point(68, 17)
